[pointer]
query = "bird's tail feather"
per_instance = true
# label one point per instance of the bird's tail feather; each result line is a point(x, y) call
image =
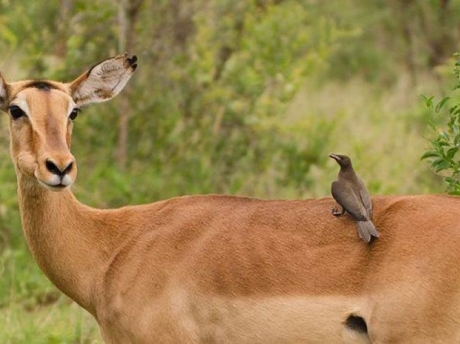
point(367, 230)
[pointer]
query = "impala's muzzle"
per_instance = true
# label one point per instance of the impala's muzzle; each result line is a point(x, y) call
point(57, 172)
point(52, 167)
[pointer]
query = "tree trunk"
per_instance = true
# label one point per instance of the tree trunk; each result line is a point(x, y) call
point(127, 17)
point(62, 28)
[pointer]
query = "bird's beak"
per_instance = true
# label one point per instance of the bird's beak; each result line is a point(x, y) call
point(334, 156)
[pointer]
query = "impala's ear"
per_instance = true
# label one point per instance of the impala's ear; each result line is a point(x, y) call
point(104, 80)
point(3, 94)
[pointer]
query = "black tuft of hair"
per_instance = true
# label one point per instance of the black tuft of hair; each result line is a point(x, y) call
point(41, 85)
point(356, 323)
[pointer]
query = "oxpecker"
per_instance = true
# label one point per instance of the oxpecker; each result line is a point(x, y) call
point(351, 194)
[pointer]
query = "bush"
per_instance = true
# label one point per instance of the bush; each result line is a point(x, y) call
point(443, 153)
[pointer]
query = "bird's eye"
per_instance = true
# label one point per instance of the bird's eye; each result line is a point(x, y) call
point(74, 113)
point(16, 112)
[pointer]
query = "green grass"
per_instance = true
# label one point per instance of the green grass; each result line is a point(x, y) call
point(32, 310)
point(61, 322)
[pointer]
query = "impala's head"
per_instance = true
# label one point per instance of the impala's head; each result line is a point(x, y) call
point(343, 160)
point(41, 115)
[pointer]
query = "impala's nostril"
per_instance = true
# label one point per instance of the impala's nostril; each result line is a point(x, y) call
point(53, 168)
point(68, 168)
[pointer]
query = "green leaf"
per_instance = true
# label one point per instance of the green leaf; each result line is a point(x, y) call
point(430, 154)
point(441, 103)
point(428, 100)
point(444, 135)
point(444, 143)
point(451, 152)
point(440, 165)
point(449, 180)
point(454, 110)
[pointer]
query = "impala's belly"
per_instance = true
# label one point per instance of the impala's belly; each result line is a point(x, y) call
point(183, 317)
point(294, 319)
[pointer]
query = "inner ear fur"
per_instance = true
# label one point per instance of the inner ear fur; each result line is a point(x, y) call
point(104, 80)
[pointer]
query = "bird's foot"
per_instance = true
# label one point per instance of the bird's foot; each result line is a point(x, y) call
point(336, 212)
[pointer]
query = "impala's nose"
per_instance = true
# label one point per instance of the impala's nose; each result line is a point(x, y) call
point(59, 169)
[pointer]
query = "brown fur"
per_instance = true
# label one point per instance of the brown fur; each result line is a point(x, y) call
point(225, 269)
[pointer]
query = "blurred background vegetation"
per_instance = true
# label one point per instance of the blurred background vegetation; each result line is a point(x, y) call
point(231, 96)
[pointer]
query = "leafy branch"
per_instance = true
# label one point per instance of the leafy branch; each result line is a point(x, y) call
point(443, 154)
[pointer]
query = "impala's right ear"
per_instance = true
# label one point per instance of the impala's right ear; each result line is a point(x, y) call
point(104, 80)
point(3, 94)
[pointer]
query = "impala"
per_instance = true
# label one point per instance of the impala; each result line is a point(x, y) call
point(226, 269)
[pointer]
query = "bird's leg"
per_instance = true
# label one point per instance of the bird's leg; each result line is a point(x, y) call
point(337, 212)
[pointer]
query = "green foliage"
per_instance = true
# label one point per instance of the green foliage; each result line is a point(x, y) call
point(443, 154)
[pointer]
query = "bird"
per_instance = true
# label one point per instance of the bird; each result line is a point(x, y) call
point(351, 194)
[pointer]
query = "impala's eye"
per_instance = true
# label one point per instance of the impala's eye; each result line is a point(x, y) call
point(16, 112)
point(74, 113)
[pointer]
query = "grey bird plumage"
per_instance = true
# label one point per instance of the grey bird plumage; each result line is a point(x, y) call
point(351, 194)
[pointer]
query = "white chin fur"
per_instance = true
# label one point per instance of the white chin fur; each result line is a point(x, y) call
point(55, 183)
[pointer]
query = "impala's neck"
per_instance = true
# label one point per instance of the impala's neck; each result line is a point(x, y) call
point(63, 239)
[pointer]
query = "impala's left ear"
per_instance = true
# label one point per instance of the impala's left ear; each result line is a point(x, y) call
point(3, 94)
point(104, 80)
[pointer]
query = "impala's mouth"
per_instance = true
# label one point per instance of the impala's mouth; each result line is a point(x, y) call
point(59, 186)
point(53, 186)
point(56, 183)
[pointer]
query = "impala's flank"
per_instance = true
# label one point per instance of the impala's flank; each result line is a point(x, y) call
point(223, 269)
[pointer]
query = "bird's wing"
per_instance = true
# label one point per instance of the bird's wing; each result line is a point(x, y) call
point(346, 197)
point(365, 198)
